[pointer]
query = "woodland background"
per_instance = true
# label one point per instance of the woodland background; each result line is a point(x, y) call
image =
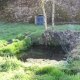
point(25, 10)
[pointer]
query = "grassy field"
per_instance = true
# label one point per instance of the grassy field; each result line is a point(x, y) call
point(13, 69)
point(9, 31)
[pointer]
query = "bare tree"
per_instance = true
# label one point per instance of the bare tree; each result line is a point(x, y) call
point(44, 14)
point(53, 13)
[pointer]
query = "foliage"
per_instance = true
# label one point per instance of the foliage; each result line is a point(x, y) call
point(15, 46)
point(74, 66)
point(3, 4)
point(77, 17)
point(13, 69)
point(3, 43)
point(21, 76)
point(15, 11)
point(52, 71)
point(61, 14)
point(10, 64)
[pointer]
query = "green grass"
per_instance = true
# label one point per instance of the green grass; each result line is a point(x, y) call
point(67, 27)
point(8, 49)
point(13, 69)
point(10, 64)
point(9, 31)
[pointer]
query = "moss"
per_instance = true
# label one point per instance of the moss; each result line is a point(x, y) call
point(15, 46)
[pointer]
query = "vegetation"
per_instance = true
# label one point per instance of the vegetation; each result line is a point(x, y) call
point(14, 69)
point(17, 36)
point(15, 46)
point(10, 31)
point(9, 10)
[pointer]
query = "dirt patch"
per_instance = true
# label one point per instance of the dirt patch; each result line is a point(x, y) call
point(44, 49)
point(43, 53)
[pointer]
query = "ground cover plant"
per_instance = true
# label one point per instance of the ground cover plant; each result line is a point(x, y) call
point(15, 46)
point(12, 40)
point(13, 69)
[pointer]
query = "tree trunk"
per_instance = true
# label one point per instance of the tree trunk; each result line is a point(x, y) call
point(44, 14)
point(53, 13)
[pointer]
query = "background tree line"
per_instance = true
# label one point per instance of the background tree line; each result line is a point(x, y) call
point(25, 10)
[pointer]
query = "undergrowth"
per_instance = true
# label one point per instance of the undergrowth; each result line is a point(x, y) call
point(54, 73)
point(14, 69)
